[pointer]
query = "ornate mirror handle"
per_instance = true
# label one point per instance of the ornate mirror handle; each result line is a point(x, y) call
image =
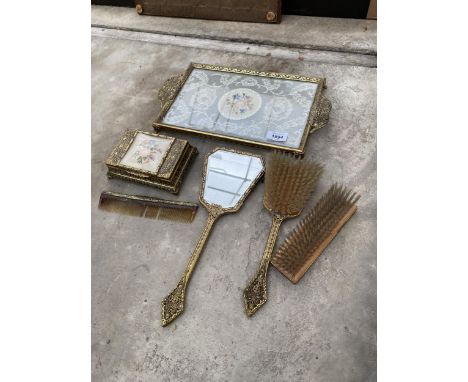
point(173, 305)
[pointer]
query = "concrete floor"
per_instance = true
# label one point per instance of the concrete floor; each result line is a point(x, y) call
point(347, 35)
point(322, 329)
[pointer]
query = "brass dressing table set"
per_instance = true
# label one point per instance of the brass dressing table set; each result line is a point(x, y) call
point(260, 109)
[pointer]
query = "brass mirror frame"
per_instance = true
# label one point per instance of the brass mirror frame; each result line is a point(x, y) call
point(172, 305)
point(318, 115)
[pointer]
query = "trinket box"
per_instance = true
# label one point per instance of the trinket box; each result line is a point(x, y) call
point(151, 159)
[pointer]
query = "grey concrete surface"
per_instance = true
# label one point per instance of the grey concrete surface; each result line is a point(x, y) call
point(269, 51)
point(344, 35)
point(322, 329)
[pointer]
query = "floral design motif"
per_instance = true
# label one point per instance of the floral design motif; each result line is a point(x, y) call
point(146, 151)
point(302, 94)
point(196, 80)
point(203, 99)
point(239, 104)
point(270, 85)
point(278, 108)
point(178, 112)
point(249, 81)
point(226, 79)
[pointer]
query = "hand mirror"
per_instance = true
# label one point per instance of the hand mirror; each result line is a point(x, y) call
point(228, 178)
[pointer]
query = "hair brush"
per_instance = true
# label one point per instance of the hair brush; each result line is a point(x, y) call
point(148, 207)
point(313, 234)
point(289, 182)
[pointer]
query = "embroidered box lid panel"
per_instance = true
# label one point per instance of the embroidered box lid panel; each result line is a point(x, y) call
point(147, 152)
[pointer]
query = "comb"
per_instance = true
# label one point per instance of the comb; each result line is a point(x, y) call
point(289, 181)
point(148, 207)
point(313, 234)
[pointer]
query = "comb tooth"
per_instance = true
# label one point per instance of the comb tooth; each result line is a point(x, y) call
point(152, 212)
point(148, 207)
point(176, 214)
point(119, 206)
point(167, 214)
point(313, 234)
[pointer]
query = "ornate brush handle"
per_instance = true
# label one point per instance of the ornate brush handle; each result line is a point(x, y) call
point(255, 295)
point(173, 305)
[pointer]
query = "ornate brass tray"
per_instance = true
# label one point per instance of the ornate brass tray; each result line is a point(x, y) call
point(267, 109)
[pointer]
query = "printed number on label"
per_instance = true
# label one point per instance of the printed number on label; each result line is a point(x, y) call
point(278, 137)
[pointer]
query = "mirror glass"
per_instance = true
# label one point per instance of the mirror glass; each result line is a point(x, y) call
point(228, 176)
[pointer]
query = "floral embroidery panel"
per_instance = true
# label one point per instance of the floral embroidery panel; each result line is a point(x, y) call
point(239, 104)
point(243, 106)
point(147, 152)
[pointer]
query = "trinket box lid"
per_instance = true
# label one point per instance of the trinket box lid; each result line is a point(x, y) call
point(152, 159)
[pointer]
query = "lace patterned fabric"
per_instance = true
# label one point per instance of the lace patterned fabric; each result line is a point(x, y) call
point(243, 106)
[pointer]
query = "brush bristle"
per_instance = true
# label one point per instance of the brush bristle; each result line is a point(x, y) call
point(289, 182)
point(148, 207)
point(312, 235)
